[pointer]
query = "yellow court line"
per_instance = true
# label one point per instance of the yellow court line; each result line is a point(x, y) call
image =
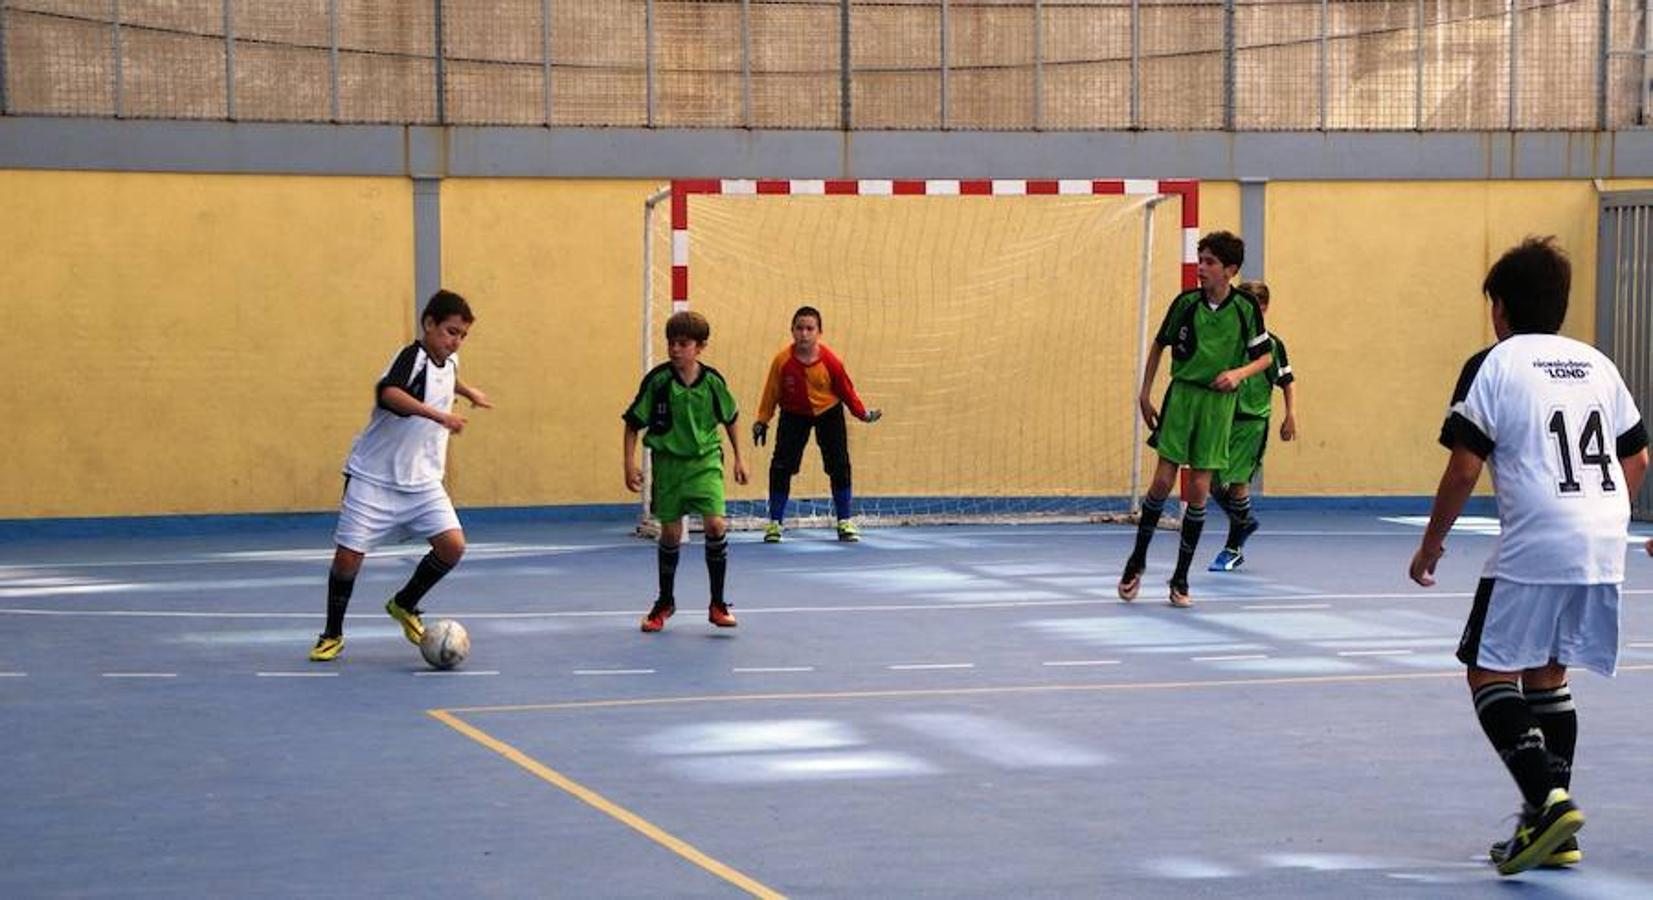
point(603, 804)
point(973, 691)
point(752, 886)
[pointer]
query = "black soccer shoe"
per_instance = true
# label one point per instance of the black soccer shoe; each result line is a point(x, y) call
point(1541, 833)
point(1568, 854)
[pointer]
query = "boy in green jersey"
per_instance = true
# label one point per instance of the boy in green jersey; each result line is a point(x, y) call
point(1249, 439)
point(1212, 331)
point(680, 405)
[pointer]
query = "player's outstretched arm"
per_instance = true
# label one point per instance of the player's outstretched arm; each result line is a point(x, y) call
point(1144, 400)
point(1635, 471)
point(843, 387)
point(403, 403)
point(634, 472)
point(1288, 425)
point(770, 398)
point(475, 395)
point(1463, 470)
point(740, 458)
point(1230, 380)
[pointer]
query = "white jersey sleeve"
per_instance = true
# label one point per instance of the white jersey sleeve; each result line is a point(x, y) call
point(1552, 417)
point(406, 452)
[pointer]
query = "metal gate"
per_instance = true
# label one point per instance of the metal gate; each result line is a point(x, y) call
point(1624, 301)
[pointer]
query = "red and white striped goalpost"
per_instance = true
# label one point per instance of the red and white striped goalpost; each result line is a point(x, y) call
point(681, 190)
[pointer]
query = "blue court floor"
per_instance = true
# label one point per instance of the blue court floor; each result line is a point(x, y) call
point(935, 712)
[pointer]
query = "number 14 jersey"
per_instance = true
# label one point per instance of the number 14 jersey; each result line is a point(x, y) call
point(1552, 418)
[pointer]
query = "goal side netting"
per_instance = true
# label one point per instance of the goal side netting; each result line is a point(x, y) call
point(999, 325)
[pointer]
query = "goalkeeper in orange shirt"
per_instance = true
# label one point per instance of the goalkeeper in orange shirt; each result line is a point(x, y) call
point(811, 386)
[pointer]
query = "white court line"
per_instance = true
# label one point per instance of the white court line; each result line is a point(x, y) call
point(457, 672)
point(1288, 606)
point(296, 674)
point(1420, 594)
point(88, 588)
point(1081, 662)
point(14, 674)
point(613, 671)
point(914, 667)
point(311, 555)
point(140, 674)
point(1641, 645)
point(162, 614)
point(748, 610)
point(760, 669)
point(1374, 652)
point(1237, 656)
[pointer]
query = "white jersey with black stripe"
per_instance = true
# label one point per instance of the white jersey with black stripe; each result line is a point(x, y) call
point(1552, 417)
point(406, 452)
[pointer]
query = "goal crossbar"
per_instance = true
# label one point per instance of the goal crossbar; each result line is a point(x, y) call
point(684, 188)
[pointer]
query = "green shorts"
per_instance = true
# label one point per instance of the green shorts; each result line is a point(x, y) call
point(1194, 424)
point(1246, 443)
point(686, 484)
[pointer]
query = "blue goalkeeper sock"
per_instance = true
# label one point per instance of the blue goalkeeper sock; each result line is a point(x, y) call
point(780, 489)
point(841, 502)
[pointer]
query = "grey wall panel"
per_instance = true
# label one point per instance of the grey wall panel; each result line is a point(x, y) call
point(62, 143)
point(1254, 228)
point(1624, 300)
point(645, 153)
point(427, 242)
point(165, 146)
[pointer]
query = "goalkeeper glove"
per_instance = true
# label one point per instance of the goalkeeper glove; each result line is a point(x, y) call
point(760, 433)
point(872, 416)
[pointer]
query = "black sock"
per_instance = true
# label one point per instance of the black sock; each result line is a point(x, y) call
point(1514, 732)
point(717, 565)
point(1193, 522)
point(1239, 516)
point(1556, 714)
point(425, 576)
point(666, 559)
point(1151, 510)
point(338, 600)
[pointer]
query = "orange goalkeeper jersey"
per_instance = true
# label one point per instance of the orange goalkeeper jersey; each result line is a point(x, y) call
point(808, 390)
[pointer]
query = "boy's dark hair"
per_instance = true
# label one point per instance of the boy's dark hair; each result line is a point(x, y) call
point(808, 311)
point(445, 303)
point(1533, 278)
point(1226, 246)
point(688, 324)
point(1257, 289)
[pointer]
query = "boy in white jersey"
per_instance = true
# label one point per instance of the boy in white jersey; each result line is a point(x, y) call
point(393, 478)
point(1568, 452)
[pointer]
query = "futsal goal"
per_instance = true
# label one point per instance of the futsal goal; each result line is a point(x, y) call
point(999, 324)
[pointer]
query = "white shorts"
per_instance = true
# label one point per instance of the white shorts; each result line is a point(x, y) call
point(371, 514)
point(1515, 626)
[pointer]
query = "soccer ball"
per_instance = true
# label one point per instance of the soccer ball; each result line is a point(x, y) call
point(446, 644)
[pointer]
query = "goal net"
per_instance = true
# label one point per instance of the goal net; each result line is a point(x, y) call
point(999, 325)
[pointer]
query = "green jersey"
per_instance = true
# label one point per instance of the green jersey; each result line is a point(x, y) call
point(1257, 392)
point(682, 419)
point(1206, 341)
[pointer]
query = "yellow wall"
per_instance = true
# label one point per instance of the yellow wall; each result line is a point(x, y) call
point(1376, 291)
point(1220, 207)
point(190, 343)
point(554, 273)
